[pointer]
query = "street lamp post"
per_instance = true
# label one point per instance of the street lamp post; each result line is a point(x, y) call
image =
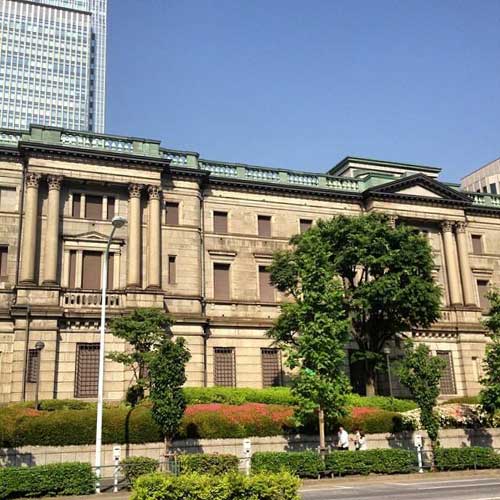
point(39, 346)
point(117, 222)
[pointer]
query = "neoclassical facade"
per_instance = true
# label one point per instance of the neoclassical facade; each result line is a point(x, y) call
point(199, 238)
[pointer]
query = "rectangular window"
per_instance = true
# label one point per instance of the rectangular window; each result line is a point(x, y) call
point(111, 271)
point(482, 288)
point(7, 199)
point(87, 370)
point(266, 290)
point(91, 270)
point(485, 189)
point(111, 208)
point(447, 383)
point(32, 369)
point(222, 289)
point(172, 211)
point(264, 225)
point(493, 188)
point(224, 367)
point(171, 270)
point(477, 244)
point(220, 222)
point(93, 207)
point(76, 205)
point(72, 269)
point(305, 224)
point(271, 367)
point(4, 254)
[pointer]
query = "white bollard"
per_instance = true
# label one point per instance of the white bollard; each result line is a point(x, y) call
point(117, 452)
point(418, 444)
point(247, 455)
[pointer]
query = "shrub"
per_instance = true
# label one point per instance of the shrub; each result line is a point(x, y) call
point(208, 463)
point(377, 421)
point(300, 463)
point(133, 467)
point(468, 400)
point(472, 457)
point(47, 480)
point(238, 396)
point(158, 486)
point(382, 403)
point(371, 461)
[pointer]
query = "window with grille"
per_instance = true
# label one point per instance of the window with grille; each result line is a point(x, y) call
point(87, 370)
point(33, 366)
point(271, 367)
point(220, 222)
point(447, 384)
point(482, 289)
point(224, 367)
point(264, 225)
point(305, 224)
point(172, 213)
point(222, 287)
point(4, 254)
point(266, 290)
point(477, 244)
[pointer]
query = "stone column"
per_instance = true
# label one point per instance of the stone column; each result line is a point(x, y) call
point(154, 231)
point(463, 259)
point(28, 253)
point(451, 262)
point(52, 230)
point(134, 236)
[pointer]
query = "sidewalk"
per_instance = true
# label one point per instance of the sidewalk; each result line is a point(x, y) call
point(311, 484)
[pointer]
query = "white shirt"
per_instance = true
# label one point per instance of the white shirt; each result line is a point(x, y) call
point(343, 439)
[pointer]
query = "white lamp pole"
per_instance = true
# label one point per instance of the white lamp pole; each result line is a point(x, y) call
point(117, 222)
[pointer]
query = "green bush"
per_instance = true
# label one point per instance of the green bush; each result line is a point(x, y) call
point(374, 423)
point(468, 400)
point(47, 480)
point(208, 463)
point(133, 467)
point(472, 457)
point(238, 396)
point(300, 463)
point(224, 487)
point(393, 461)
point(382, 403)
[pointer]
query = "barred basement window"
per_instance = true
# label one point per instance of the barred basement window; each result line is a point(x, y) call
point(448, 378)
point(87, 370)
point(271, 367)
point(33, 366)
point(224, 367)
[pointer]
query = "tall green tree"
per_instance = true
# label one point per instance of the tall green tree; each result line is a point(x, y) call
point(167, 369)
point(490, 394)
point(386, 273)
point(421, 373)
point(144, 330)
point(313, 329)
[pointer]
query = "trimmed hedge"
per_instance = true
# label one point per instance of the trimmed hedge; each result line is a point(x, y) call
point(133, 467)
point(228, 487)
point(473, 457)
point(238, 396)
point(382, 403)
point(300, 463)
point(208, 464)
point(70, 478)
point(393, 461)
point(468, 400)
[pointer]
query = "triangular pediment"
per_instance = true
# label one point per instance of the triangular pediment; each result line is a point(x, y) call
point(418, 186)
point(90, 236)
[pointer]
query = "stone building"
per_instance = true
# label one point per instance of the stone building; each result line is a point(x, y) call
point(200, 234)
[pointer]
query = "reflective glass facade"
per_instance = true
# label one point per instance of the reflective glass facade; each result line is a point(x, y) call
point(52, 63)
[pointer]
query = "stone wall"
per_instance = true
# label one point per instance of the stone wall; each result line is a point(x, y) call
point(39, 455)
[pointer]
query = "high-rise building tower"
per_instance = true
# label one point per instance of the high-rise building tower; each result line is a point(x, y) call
point(53, 63)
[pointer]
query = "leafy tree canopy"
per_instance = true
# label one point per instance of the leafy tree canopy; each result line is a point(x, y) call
point(490, 394)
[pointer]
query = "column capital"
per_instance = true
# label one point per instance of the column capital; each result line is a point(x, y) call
point(33, 179)
point(446, 226)
point(460, 226)
point(54, 182)
point(154, 192)
point(134, 190)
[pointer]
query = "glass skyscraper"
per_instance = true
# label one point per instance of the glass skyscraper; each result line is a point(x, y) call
point(53, 63)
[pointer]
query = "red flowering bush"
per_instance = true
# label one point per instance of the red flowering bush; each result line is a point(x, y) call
point(215, 420)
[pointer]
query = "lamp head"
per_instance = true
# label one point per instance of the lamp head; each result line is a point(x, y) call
point(118, 221)
point(39, 345)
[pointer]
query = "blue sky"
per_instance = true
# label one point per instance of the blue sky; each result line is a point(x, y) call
point(302, 84)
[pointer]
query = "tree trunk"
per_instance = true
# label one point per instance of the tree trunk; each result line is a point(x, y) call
point(321, 422)
point(168, 445)
point(370, 379)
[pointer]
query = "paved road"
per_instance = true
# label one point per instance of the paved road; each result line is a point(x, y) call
point(484, 488)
